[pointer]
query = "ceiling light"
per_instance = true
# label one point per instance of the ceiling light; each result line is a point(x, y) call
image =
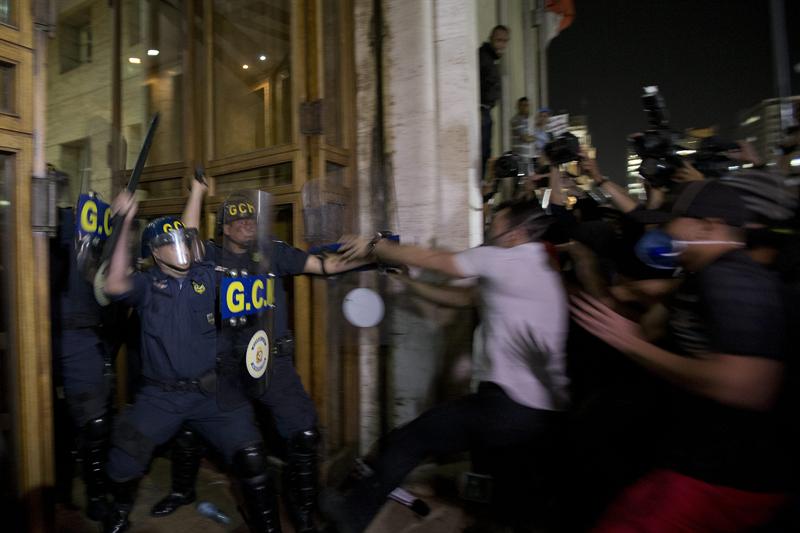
point(152, 52)
point(134, 60)
point(262, 57)
point(245, 67)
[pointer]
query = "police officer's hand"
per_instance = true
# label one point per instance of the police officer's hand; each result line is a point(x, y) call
point(355, 247)
point(123, 203)
point(199, 183)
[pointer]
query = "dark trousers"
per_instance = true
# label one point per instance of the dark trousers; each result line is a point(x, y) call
point(486, 138)
point(488, 422)
point(290, 405)
point(81, 355)
point(156, 416)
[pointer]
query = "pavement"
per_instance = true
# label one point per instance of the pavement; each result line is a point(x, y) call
point(437, 486)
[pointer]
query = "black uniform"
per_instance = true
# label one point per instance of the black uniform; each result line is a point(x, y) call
point(82, 356)
point(286, 398)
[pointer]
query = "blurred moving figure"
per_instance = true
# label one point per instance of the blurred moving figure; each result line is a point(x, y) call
point(725, 465)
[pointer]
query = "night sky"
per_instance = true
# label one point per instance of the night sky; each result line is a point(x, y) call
point(710, 58)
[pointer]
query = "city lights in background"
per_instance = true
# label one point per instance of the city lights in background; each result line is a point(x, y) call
point(153, 52)
point(134, 60)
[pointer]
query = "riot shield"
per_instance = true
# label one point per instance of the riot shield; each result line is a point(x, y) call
point(246, 297)
point(92, 228)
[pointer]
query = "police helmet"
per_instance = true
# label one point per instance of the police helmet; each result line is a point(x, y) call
point(237, 206)
point(157, 232)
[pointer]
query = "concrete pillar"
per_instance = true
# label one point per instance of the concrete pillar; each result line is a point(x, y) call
point(431, 132)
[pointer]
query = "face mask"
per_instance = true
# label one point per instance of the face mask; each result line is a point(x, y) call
point(657, 249)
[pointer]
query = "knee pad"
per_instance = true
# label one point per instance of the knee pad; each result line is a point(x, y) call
point(97, 429)
point(129, 439)
point(304, 441)
point(250, 462)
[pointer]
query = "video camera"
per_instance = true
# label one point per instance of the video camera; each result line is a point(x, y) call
point(656, 147)
point(711, 158)
point(509, 165)
point(563, 149)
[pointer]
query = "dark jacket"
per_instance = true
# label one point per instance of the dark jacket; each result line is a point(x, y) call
point(490, 75)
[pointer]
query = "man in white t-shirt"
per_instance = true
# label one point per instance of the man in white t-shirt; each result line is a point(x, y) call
point(525, 317)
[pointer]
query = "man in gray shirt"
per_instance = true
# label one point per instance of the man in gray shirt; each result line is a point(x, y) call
point(524, 386)
point(522, 134)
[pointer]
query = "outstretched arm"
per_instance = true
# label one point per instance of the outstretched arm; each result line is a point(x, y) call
point(194, 205)
point(119, 278)
point(742, 381)
point(402, 254)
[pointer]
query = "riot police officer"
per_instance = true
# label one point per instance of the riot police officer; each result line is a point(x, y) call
point(175, 301)
point(291, 406)
point(80, 344)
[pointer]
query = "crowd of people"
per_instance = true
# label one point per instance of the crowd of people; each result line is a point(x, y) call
point(633, 359)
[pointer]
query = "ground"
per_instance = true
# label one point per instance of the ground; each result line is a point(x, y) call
point(446, 516)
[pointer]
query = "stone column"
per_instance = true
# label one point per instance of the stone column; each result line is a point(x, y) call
point(428, 182)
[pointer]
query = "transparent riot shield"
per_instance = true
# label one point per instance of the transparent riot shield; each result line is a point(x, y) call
point(246, 297)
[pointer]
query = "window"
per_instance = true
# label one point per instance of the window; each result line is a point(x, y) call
point(75, 161)
point(155, 81)
point(7, 89)
point(7, 12)
point(8, 389)
point(251, 75)
point(75, 40)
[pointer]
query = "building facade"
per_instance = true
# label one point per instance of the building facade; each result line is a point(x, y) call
point(364, 110)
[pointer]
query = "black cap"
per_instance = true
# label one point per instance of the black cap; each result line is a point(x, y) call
point(700, 199)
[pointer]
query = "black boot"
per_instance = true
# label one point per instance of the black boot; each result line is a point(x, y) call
point(260, 500)
point(94, 452)
point(302, 480)
point(124, 494)
point(187, 453)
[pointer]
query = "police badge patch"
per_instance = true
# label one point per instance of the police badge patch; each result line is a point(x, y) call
point(199, 288)
point(257, 354)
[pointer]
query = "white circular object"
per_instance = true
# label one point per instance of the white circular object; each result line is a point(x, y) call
point(257, 354)
point(363, 308)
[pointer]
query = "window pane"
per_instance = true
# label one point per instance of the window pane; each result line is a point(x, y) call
point(251, 73)
point(79, 97)
point(7, 388)
point(7, 87)
point(75, 35)
point(7, 12)
point(257, 178)
point(152, 71)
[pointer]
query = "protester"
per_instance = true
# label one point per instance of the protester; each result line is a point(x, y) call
point(725, 464)
point(524, 386)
